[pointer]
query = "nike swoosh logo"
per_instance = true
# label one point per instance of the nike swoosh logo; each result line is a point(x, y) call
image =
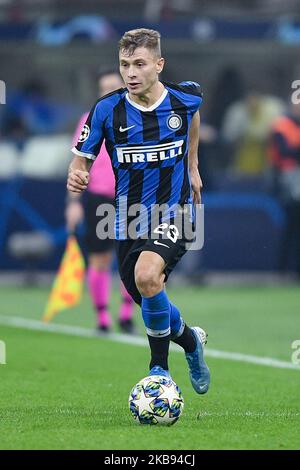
point(124, 129)
point(156, 242)
point(202, 387)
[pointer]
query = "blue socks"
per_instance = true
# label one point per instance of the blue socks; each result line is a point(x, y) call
point(162, 320)
point(156, 314)
point(176, 322)
point(161, 317)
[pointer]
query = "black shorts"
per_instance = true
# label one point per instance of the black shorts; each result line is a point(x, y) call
point(128, 252)
point(93, 243)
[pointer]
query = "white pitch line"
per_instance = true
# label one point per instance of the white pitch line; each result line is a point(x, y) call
point(26, 323)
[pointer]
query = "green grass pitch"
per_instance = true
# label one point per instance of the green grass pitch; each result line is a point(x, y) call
point(67, 392)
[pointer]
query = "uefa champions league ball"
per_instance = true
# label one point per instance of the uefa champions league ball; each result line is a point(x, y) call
point(156, 400)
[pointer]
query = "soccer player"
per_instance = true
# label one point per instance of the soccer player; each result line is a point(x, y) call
point(151, 130)
point(101, 190)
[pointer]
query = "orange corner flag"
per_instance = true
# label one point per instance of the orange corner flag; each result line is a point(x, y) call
point(68, 284)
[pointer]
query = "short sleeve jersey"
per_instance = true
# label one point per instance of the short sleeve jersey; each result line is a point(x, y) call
point(148, 147)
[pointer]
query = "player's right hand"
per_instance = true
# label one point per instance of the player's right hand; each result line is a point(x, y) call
point(77, 180)
point(74, 214)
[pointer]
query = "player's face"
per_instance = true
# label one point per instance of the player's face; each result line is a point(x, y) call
point(109, 83)
point(140, 70)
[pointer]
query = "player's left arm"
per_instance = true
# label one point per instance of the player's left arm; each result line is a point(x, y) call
point(194, 136)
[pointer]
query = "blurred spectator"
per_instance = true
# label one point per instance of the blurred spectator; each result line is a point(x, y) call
point(284, 154)
point(29, 112)
point(277, 7)
point(16, 11)
point(207, 147)
point(246, 128)
point(157, 10)
point(34, 109)
point(229, 88)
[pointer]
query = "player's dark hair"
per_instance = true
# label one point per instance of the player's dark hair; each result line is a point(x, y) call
point(142, 37)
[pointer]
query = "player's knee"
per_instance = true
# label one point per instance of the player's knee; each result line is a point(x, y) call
point(147, 281)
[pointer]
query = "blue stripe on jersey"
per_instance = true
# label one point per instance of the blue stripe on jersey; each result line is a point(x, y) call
point(150, 183)
point(122, 186)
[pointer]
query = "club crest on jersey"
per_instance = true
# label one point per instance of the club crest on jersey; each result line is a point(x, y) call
point(174, 122)
point(84, 133)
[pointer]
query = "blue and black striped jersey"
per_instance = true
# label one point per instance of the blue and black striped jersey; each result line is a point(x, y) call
point(148, 147)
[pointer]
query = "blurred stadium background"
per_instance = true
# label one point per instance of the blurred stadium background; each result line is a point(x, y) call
point(245, 54)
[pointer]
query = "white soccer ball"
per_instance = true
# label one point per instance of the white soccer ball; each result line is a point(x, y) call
point(156, 400)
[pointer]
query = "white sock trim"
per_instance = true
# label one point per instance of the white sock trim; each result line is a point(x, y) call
point(158, 333)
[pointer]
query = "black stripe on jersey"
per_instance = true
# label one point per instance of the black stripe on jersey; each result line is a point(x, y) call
point(164, 189)
point(97, 147)
point(180, 109)
point(185, 188)
point(150, 126)
point(163, 192)
point(189, 89)
point(110, 148)
point(183, 155)
point(135, 185)
point(120, 121)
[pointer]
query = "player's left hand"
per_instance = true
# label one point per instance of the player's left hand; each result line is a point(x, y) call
point(197, 185)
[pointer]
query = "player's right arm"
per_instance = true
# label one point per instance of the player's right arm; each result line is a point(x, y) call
point(74, 213)
point(78, 176)
point(77, 182)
